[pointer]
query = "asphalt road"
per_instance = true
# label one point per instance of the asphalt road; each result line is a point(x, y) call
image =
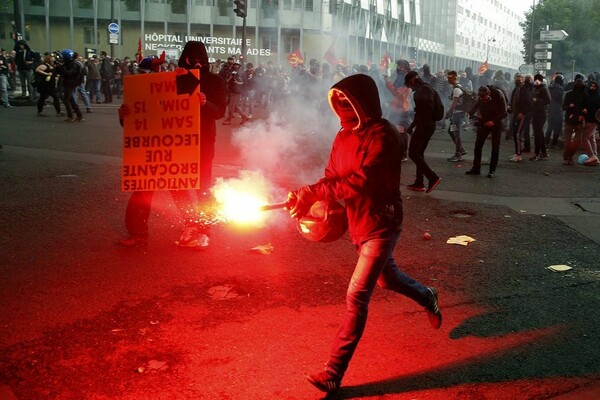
point(82, 318)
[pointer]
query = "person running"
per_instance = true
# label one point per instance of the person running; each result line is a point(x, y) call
point(364, 171)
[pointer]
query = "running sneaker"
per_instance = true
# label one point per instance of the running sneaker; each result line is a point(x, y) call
point(325, 381)
point(417, 187)
point(516, 158)
point(433, 309)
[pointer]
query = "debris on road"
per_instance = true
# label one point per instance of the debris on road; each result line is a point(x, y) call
point(462, 240)
point(559, 268)
point(266, 249)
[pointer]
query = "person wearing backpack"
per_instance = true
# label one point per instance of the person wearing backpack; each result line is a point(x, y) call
point(490, 110)
point(459, 102)
point(421, 130)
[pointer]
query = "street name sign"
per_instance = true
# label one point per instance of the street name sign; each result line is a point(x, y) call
point(553, 35)
point(543, 65)
point(543, 55)
point(543, 46)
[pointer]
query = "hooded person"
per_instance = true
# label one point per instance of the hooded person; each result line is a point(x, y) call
point(24, 61)
point(555, 112)
point(212, 108)
point(364, 172)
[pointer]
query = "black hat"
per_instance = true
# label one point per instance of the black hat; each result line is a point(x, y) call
point(579, 76)
point(538, 77)
point(409, 77)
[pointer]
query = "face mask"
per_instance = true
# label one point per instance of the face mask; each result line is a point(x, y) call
point(519, 83)
point(348, 117)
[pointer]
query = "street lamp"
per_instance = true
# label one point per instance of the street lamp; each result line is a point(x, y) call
point(493, 40)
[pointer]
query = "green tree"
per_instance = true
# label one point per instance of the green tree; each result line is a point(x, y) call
point(580, 19)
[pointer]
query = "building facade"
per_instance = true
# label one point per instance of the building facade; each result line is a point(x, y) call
point(443, 33)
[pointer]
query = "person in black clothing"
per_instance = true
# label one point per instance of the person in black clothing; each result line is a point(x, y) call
point(589, 139)
point(421, 130)
point(574, 106)
point(540, 97)
point(519, 107)
point(555, 113)
point(46, 85)
point(364, 171)
point(24, 59)
point(71, 76)
point(107, 73)
point(212, 108)
point(489, 110)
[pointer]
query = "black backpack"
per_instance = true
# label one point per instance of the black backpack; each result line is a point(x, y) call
point(498, 97)
point(438, 106)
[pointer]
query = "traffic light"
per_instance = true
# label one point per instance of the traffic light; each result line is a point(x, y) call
point(240, 9)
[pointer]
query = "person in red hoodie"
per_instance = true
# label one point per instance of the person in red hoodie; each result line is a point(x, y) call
point(364, 172)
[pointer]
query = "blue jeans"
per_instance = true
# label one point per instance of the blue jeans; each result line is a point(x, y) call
point(80, 90)
point(375, 265)
point(4, 90)
point(456, 122)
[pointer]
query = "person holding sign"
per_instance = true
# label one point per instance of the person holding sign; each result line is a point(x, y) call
point(140, 202)
point(212, 107)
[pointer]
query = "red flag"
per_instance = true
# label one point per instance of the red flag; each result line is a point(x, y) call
point(295, 58)
point(140, 54)
point(484, 67)
point(384, 64)
point(330, 56)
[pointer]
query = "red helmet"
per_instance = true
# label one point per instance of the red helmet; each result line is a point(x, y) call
point(325, 222)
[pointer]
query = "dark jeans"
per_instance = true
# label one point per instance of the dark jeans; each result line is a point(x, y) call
point(375, 265)
point(416, 151)
point(107, 89)
point(70, 103)
point(140, 204)
point(555, 126)
point(517, 128)
point(538, 122)
point(44, 94)
point(482, 134)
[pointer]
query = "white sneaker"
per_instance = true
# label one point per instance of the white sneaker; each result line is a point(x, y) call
point(516, 158)
point(203, 241)
point(188, 237)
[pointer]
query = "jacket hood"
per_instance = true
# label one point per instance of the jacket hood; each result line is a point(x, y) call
point(361, 92)
point(194, 53)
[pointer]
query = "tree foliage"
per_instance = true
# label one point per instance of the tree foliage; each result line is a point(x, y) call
point(580, 19)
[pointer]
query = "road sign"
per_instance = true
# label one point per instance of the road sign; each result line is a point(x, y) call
point(553, 35)
point(113, 27)
point(543, 46)
point(543, 65)
point(526, 69)
point(113, 38)
point(543, 55)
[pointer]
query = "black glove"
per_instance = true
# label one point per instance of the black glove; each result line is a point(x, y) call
point(300, 201)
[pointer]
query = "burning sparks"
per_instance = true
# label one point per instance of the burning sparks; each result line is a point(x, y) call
point(240, 200)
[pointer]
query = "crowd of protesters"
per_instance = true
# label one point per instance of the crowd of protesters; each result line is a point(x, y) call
point(545, 108)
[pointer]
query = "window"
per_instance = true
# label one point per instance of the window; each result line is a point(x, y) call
point(37, 3)
point(269, 42)
point(308, 5)
point(88, 35)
